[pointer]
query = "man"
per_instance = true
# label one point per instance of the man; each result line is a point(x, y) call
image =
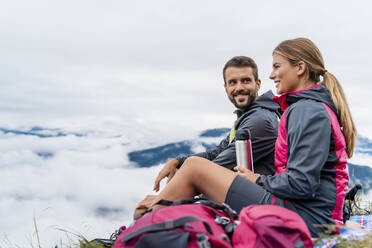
point(258, 114)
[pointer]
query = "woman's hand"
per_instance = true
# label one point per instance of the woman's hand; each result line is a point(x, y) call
point(247, 174)
point(169, 169)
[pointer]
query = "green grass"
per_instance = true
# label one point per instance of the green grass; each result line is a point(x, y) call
point(90, 244)
point(356, 244)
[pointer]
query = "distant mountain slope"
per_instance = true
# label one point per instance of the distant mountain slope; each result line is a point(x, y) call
point(160, 154)
point(206, 140)
point(360, 174)
point(216, 132)
point(40, 132)
point(364, 145)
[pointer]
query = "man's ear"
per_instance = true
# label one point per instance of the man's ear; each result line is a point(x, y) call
point(301, 68)
point(258, 83)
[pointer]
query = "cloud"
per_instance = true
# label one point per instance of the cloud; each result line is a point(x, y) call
point(101, 60)
point(87, 186)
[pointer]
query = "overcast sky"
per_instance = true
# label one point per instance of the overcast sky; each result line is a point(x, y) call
point(142, 73)
point(74, 63)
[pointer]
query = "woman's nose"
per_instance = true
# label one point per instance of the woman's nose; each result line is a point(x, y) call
point(272, 76)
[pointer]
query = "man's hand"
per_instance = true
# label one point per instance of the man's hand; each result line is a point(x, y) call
point(247, 174)
point(144, 205)
point(169, 169)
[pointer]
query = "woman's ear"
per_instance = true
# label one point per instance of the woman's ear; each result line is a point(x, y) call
point(301, 68)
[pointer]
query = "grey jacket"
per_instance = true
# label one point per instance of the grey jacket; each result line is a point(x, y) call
point(261, 118)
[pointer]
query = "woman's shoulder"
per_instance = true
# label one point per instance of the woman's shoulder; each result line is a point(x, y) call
point(306, 105)
point(307, 109)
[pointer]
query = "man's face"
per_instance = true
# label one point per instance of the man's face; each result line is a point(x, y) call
point(240, 86)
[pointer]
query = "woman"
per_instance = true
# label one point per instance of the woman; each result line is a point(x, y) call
point(316, 135)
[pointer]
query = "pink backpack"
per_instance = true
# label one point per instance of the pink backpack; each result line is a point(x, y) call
point(186, 223)
point(270, 226)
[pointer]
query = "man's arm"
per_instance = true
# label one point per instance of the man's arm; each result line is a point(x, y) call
point(170, 168)
point(262, 125)
point(210, 154)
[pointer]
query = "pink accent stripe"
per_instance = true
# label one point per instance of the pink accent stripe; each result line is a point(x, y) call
point(282, 99)
point(249, 155)
point(273, 200)
point(342, 172)
point(281, 147)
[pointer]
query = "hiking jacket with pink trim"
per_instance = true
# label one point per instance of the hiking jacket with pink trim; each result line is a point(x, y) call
point(310, 156)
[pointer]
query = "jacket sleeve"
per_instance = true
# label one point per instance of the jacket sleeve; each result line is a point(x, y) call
point(263, 131)
point(263, 135)
point(309, 139)
point(210, 154)
point(264, 128)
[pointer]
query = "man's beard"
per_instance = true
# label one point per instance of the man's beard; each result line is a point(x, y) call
point(251, 98)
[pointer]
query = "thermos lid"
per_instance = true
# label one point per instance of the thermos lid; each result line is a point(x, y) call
point(243, 134)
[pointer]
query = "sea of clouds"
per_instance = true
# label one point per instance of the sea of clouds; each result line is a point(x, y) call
point(78, 184)
point(82, 184)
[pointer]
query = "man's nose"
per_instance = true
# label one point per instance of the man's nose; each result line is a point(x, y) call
point(239, 86)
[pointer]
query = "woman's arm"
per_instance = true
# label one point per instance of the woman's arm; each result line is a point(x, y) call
point(309, 139)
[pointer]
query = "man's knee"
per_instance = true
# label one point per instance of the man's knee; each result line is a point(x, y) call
point(194, 162)
point(195, 166)
point(190, 163)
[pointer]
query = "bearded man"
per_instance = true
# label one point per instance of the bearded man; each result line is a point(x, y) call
point(258, 114)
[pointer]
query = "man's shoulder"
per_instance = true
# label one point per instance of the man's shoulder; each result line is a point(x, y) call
point(259, 120)
point(258, 114)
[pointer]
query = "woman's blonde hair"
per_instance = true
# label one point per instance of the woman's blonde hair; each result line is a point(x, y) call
point(302, 49)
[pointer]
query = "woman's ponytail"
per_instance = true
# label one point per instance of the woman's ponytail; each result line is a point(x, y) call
point(343, 110)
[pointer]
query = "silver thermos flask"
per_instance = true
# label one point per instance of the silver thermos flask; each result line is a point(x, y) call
point(243, 147)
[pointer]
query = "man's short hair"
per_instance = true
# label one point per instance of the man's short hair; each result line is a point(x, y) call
point(241, 61)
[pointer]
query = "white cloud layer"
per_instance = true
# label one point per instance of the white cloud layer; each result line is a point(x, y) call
point(86, 187)
point(139, 73)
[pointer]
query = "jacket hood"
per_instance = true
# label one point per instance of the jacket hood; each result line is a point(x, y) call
point(263, 101)
point(317, 93)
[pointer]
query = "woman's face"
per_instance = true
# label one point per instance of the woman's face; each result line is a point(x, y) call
point(284, 75)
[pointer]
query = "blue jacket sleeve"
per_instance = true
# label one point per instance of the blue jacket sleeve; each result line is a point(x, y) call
point(308, 138)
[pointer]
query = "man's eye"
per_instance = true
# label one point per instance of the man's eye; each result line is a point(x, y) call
point(231, 82)
point(246, 80)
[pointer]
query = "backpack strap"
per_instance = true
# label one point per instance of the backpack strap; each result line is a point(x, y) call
point(165, 226)
point(176, 202)
point(197, 200)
